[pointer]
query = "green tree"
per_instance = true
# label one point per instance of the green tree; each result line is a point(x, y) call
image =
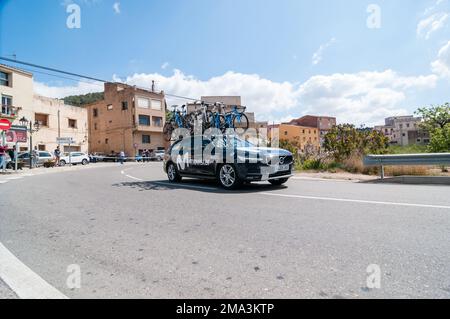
point(435, 116)
point(436, 120)
point(80, 100)
point(345, 140)
point(440, 140)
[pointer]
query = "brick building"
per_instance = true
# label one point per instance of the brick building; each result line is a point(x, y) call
point(128, 119)
point(323, 123)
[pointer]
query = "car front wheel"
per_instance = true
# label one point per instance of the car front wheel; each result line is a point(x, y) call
point(172, 173)
point(228, 177)
point(62, 163)
point(84, 162)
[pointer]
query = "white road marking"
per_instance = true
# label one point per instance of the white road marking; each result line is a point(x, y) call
point(3, 182)
point(356, 201)
point(23, 281)
point(135, 178)
point(14, 178)
point(322, 179)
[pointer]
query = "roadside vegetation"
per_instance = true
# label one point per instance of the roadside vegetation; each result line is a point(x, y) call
point(345, 147)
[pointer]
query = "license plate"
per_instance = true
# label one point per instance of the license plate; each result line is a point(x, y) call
point(282, 168)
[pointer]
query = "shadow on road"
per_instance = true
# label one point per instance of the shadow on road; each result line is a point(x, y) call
point(206, 186)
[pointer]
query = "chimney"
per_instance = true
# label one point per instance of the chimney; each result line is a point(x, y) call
point(153, 85)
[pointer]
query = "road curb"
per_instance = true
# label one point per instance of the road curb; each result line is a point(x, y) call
point(414, 180)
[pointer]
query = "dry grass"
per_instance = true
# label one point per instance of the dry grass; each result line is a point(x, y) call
point(407, 171)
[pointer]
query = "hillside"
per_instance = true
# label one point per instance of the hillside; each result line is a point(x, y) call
point(79, 100)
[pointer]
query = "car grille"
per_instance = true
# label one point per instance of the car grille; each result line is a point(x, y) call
point(281, 160)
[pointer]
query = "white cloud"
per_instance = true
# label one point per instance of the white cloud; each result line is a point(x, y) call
point(116, 7)
point(165, 65)
point(431, 24)
point(442, 65)
point(433, 7)
point(358, 98)
point(63, 91)
point(361, 98)
point(318, 55)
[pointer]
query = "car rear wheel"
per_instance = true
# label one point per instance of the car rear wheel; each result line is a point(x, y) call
point(84, 162)
point(62, 163)
point(228, 177)
point(172, 173)
point(278, 182)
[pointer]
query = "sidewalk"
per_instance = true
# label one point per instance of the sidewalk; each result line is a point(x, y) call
point(343, 176)
point(11, 175)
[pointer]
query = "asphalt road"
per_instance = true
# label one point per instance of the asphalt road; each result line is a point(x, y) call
point(135, 236)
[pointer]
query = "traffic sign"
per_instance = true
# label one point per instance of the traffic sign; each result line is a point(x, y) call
point(65, 140)
point(5, 125)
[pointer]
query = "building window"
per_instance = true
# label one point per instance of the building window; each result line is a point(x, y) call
point(41, 147)
point(146, 139)
point(124, 105)
point(106, 140)
point(42, 119)
point(407, 125)
point(156, 105)
point(157, 121)
point(72, 123)
point(4, 79)
point(95, 112)
point(109, 107)
point(285, 133)
point(95, 126)
point(6, 104)
point(144, 120)
point(143, 103)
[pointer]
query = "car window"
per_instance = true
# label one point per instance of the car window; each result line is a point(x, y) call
point(44, 154)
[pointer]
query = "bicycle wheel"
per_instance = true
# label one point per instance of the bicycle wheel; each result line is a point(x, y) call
point(167, 131)
point(240, 122)
point(209, 120)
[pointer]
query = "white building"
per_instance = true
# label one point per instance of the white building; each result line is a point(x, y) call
point(404, 130)
point(56, 119)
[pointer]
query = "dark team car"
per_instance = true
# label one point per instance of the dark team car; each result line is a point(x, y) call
point(229, 160)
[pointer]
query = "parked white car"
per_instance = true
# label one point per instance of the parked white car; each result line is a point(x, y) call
point(74, 159)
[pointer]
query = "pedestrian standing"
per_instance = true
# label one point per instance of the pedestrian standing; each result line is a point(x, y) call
point(57, 156)
point(122, 157)
point(34, 157)
point(3, 150)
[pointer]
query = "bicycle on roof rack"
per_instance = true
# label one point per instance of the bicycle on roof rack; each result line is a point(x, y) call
point(177, 119)
point(236, 118)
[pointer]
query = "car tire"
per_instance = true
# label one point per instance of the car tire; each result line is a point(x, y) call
point(228, 177)
point(84, 162)
point(173, 174)
point(62, 163)
point(278, 182)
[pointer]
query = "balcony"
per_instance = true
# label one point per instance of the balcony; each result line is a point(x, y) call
point(147, 128)
point(9, 112)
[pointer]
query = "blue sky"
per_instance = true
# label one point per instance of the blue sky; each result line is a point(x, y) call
point(286, 58)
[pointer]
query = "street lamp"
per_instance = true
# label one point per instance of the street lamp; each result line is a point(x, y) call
point(32, 128)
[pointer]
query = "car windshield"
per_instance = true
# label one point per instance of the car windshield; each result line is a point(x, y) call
point(232, 142)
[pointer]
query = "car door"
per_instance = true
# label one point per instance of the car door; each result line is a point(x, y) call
point(77, 158)
point(44, 157)
point(183, 156)
point(205, 159)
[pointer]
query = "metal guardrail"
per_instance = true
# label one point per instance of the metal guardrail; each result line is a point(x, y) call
point(407, 159)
